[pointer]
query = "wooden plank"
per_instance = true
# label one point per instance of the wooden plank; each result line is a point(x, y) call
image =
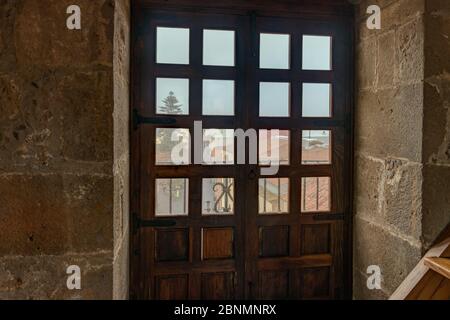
point(431, 287)
point(420, 286)
point(439, 265)
point(312, 261)
point(413, 279)
point(443, 292)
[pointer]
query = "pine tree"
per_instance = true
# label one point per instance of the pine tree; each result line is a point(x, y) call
point(171, 105)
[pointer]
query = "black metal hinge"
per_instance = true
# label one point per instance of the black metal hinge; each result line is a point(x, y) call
point(138, 119)
point(155, 223)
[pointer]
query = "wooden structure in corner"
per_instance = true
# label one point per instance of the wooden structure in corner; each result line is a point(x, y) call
point(430, 279)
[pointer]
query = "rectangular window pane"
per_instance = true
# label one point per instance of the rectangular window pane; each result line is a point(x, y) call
point(274, 147)
point(172, 45)
point(172, 146)
point(218, 97)
point(316, 53)
point(172, 96)
point(218, 146)
point(316, 147)
point(273, 195)
point(274, 51)
point(171, 197)
point(218, 48)
point(317, 100)
point(218, 196)
point(316, 194)
point(274, 99)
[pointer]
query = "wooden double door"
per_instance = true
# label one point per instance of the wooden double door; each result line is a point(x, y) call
point(217, 228)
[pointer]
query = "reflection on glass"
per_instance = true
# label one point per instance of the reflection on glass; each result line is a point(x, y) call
point(274, 51)
point(172, 146)
point(171, 197)
point(316, 53)
point(172, 96)
point(218, 146)
point(218, 196)
point(218, 48)
point(274, 147)
point(218, 97)
point(316, 147)
point(274, 99)
point(172, 45)
point(316, 194)
point(317, 100)
point(273, 195)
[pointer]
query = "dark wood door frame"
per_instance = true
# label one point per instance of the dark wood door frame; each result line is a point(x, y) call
point(323, 10)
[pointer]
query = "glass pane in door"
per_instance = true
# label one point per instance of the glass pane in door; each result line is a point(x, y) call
point(171, 197)
point(218, 196)
point(273, 195)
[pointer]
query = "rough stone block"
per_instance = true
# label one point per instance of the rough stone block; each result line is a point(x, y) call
point(407, 10)
point(49, 118)
point(44, 277)
point(121, 118)
point(53, 214)
point(410, 46)
point(10, 93)
point(437, 37)
point(121, 281)
point(402, 197)
point(122, 40)
point(86, 100)
point(366, 54)
point(388, 192)
point(362, 16)
point(8, 10)
point(31, 128)
point(121, 150)
point(386, 60)
point(121, 196)
point(389, 122)
point(368, 178)
point(361, 291)
point(436, 201)
point(42, 38)
point(394, 13)
point(376, 245)
point(436, 140)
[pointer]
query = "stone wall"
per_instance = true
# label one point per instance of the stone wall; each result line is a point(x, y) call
point(436, 142)
point(64, 157)
point(63, 172)
point(401, 197)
